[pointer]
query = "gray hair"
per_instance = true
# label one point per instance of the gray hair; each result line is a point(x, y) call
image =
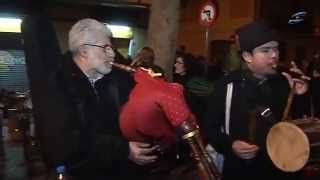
point(84, 32)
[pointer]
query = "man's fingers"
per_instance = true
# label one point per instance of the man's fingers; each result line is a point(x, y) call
point(244, 150)
point(145, 159)
point(142, 153)
point(286, 75)
point(304, 77)
point(294, 68)
point(144, 145)
point(293, 65)
point(248, 155)
point(148, 150)
point(148, 158)
point(244, 147)
point(248, 149)
point(301, 79)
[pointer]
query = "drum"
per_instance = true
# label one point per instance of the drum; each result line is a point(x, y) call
point(292, 144)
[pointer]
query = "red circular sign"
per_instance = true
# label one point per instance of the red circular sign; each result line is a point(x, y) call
point(208, 14)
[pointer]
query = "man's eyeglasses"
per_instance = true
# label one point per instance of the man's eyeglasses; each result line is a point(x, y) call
point(105, 47)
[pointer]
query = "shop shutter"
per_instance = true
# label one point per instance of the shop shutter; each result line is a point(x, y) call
point(13, 75)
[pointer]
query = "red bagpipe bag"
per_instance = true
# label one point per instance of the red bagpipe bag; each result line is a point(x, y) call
point(155, 108)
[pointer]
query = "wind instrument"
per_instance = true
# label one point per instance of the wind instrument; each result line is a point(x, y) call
point(206, 168)
point(131, 69)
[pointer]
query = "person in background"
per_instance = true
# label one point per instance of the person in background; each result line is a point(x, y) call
point(234, 58)
point(313, 71)
point(301, 58)
point(190, 73)
point(234, 125)
point(145, 58)
point(182, 66)
point(224, 56)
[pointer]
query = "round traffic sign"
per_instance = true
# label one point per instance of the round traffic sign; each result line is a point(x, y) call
point(208, 14)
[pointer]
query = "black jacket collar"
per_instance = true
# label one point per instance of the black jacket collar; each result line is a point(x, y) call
point(70, 68)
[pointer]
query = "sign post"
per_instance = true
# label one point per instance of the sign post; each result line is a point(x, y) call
point(207, 16)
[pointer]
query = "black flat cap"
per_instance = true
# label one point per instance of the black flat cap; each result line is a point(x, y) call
point(253, 35)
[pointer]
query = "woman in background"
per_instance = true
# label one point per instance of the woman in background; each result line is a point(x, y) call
point(190, 73)
point(145, 58)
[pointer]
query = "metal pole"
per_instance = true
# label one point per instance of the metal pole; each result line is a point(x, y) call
point(207, 55)
point(207, 45)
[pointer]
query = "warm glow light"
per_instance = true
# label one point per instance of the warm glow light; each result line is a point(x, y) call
point(121, 31)
point(10, 25)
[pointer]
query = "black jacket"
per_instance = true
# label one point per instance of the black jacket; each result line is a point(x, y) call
point(250, 97)
point(91, 143)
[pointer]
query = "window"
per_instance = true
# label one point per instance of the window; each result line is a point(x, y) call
point(10, 25)
point(13, 75)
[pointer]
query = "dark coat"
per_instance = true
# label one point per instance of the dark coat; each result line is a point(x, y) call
point(93, 147)
point(250, 97)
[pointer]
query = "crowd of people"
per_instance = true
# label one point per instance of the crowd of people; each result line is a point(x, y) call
point(227, 101)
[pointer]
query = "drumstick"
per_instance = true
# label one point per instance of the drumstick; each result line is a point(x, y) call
point(289, 102)
point(315, 144)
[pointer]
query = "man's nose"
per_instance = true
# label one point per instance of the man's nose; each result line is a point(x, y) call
point(274, 53)
point(112, 54)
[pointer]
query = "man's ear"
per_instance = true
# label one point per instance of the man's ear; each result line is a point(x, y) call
point(247, 56)
point(83, 51)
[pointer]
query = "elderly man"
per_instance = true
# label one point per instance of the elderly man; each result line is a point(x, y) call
point(246, 104)
point(95, 148)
